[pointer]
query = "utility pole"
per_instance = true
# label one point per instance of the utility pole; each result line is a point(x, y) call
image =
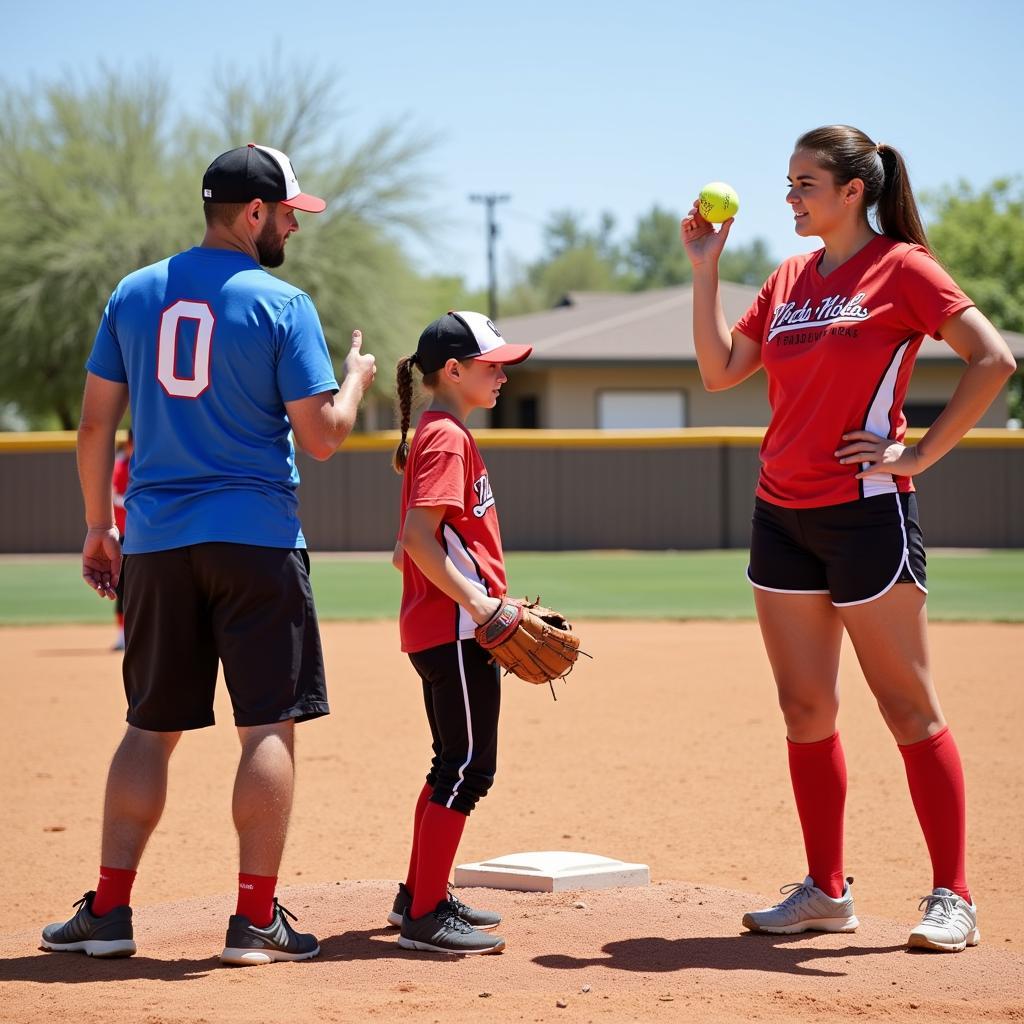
point(490, 200)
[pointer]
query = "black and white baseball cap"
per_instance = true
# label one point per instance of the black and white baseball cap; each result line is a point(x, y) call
point(465, 335)
point(256, 172)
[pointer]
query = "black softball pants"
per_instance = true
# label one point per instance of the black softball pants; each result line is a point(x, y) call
point(462, 697)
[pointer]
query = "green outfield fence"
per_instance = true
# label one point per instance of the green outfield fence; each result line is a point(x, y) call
point(556, 490)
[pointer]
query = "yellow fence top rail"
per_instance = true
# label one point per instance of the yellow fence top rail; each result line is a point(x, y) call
point(686, 437)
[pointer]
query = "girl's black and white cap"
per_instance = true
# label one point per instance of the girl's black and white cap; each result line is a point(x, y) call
point(256, 172)
point(465, 335)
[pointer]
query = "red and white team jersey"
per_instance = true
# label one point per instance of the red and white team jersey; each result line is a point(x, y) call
point(839, 351)
point(119, 484)
point(445, 468)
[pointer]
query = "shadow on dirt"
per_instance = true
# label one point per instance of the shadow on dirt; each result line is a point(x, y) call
point(778, 954)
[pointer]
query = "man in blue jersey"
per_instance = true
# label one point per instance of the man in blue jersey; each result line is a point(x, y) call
point(220, 363)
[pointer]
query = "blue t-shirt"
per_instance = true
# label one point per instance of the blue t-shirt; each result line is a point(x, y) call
point(211, 346)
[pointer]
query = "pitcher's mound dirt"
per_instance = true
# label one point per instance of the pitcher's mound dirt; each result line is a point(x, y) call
point(677, 761)
point(670, 951)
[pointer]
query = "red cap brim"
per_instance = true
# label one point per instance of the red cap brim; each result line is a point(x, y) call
point(306, 203)
point(506, 354)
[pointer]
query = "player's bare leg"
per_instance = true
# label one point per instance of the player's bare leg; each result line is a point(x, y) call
point(136, 793)
point(891, 640)
point(802, 637)
point(262, 799)
point(259, 932)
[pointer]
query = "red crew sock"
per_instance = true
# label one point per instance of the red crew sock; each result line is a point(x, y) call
point(936, 779)
point(114, 889)
point(421, 806)
point(256, 898)
point(439, 835)
point(120, 619)
point(818, 773)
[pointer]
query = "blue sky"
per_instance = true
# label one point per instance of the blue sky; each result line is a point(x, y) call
point(592, 106)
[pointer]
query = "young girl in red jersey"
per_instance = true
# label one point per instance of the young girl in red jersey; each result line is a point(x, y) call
point(119, 486)
point(835, 542)
point(453, 575)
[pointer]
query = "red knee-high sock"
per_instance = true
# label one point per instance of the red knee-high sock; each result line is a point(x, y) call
point(114, 889)
point(439, 835)
point(417, 818)
point(936, 779)
point(256, 898)
point(818, 772)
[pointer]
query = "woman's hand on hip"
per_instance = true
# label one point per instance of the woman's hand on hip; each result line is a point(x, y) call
point(882, 455)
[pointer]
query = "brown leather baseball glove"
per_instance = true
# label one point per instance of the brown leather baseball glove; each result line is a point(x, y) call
point(530, 641)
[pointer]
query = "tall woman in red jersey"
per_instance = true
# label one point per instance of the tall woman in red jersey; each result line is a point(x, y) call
point(453, 575)
point(836, 542)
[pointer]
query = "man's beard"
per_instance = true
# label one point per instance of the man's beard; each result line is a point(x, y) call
point(269, 246)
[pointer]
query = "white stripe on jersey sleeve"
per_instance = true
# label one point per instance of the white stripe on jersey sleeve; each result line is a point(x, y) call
point(463, 561)
point(878, 422)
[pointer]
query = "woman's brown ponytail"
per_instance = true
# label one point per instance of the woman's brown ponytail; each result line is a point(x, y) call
point(897, 210)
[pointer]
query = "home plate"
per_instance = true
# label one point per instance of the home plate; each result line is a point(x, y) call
point(552, 871)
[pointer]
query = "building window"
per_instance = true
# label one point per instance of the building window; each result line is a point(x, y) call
point(522, 413)
point(622, 410)
point(527, 412)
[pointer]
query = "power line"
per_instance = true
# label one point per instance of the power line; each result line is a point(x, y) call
point(490, 200)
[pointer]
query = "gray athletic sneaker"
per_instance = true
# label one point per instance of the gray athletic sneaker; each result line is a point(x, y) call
point(444, 931)
point(950, 923)
point(481, 920)
point(805, 908)
point(247, 945)
point(107, 936)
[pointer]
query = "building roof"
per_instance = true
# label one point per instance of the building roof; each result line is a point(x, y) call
point(603, 328)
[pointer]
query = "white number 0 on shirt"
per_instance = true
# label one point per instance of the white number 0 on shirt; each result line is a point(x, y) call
point(185, 387)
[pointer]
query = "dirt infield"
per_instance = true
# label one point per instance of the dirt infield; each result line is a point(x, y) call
point(679, 763)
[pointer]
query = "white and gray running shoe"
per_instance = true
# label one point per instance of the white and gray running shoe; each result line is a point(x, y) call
point(949, 925)
point(805, 909)
point(444, 931)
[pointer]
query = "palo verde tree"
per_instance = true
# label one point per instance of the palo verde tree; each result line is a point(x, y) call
point(100, 177)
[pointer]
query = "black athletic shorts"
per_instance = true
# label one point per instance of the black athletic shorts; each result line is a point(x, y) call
point(462, 697)
point(855, 552)
point(250, 608)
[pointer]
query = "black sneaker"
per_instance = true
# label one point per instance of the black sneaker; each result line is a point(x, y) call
point(444, 931)
point(107, 936)
point(246, 944)
point(481, 920)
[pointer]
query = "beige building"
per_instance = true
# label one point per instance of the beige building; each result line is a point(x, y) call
point(621, 360)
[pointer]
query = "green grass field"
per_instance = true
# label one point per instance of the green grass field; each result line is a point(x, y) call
point(980, 586)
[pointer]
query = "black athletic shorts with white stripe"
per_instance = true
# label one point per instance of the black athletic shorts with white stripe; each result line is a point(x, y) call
point(249, 608)
point(462, 696)
point(855, 552)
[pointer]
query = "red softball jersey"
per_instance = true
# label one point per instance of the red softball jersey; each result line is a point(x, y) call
point(119, 484)
point(838, 351)
point(445, 468)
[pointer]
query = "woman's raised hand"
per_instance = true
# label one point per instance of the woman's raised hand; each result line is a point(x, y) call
point(702, 242)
